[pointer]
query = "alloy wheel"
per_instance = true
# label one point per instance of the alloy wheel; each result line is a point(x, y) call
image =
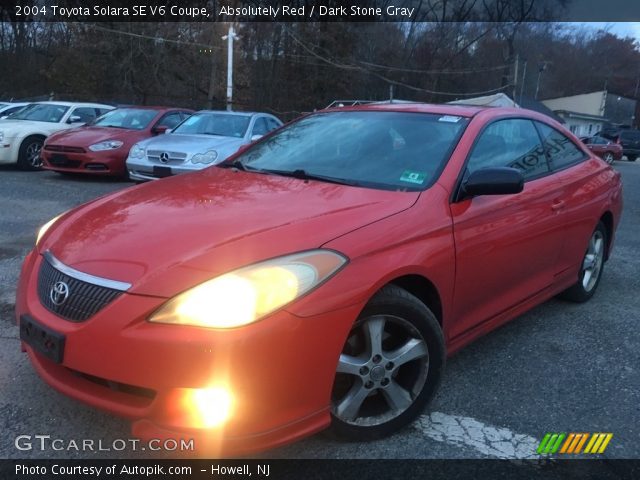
point(592, 263)
point(33, 154)
point(381, 371)
point(608, 157)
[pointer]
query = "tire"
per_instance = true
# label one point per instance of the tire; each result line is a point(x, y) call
point(382, 386)
point(631, 158)
point(591, 269)
point(29, 153)
point(608, 157)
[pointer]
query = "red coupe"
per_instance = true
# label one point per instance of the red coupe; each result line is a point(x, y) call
point(102, 147)
point(317, 278)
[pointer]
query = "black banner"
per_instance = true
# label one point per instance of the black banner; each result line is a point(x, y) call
point(318, 11)
point(548, 469)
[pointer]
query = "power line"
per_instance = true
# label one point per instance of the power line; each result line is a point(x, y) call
point(386, 79)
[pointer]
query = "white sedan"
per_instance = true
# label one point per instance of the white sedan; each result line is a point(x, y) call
point(23, 133)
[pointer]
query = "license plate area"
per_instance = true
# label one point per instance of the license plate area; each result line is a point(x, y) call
point(42, 339)
point(58, 159)
point(162, 172)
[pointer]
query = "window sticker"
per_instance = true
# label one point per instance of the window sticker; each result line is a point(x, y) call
point(410, 176)
point(449, 118)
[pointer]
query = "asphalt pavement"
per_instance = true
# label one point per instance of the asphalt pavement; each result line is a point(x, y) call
point(561, 367)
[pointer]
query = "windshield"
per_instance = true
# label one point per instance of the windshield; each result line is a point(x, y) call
point(41, 112)
point(221, 124)
point(388, 150)
point(129, 118)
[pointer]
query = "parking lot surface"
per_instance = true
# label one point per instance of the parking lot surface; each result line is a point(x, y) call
point(561, 367)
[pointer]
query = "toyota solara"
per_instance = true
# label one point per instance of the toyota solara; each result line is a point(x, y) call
point(317, 278)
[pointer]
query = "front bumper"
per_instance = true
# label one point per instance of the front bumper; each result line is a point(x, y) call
point(143, 170)
point(279, 370)
point(109, 162)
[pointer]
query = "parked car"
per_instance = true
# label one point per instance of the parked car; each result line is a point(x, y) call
point(206, 138)
point(317, 278)
point(23, 133)
point(101, 148)
point(628, 138)
point(603, 147)
point(7, 109)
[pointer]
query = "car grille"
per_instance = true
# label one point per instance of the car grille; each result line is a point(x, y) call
point(63, 148)
point(84, 299)
point(174, 157)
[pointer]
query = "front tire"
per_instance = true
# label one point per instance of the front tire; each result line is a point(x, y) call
point(29, 153)
point(389, 369)
point(631, 158)
point(591, 268)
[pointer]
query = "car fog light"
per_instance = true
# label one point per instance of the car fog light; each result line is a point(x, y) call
point(208, 407)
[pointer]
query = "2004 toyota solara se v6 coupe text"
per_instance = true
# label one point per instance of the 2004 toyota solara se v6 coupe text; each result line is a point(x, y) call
point(319, 277)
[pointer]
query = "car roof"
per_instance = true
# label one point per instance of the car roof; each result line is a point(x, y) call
point(153, 107)
point(227, 112)
point(73, 104)
point(438, 109)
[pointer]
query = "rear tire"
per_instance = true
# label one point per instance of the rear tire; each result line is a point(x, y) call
point(591, 269)
point(608, 157)
point(389, 369)
point(29, 153)
point(631, 158)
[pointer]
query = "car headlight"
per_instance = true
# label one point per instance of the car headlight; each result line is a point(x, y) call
point(45, 227)
point(136, 151)
point(206, 158)
point(108, 145)
point(248, 294)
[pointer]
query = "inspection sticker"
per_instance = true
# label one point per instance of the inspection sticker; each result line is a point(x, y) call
point(413, 177)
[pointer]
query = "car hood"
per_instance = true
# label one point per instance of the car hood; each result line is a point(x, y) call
point(86, 136)
point(192, 144)
point(164, 237)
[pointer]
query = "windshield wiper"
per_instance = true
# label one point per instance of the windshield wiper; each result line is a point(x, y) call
point(304, 175)
point(235, 164)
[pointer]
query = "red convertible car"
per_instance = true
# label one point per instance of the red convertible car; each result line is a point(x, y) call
point(101, 148)
point(319, 277)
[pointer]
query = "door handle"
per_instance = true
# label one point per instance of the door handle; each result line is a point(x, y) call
point(557, 205)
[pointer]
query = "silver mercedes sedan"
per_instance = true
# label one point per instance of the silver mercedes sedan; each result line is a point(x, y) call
point(206, 138)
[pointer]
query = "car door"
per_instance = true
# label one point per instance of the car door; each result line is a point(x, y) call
point(579, 182)
point(506, 246)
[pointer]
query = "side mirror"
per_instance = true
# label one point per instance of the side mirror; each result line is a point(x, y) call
point(74, 119)
point(160, 129)
point(255, 137)
point(494, 181)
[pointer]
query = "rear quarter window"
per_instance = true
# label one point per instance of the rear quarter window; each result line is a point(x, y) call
point(562, 152)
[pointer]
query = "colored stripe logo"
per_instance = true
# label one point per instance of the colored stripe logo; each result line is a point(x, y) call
point(573, 443)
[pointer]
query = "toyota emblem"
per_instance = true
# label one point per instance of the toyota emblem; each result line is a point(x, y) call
point(59, 293)
point(164, 157)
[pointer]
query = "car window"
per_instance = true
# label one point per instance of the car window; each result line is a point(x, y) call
point(10, 110)
point(510, 143)
point(561, 150)
point(272, 123)
point(102, 110)
point(385, 150)
point(41, 112)
point(219, 124)
point(260, 127)
point(86, 114)
point(170, 120)
point(630, 135)
point(127, 118)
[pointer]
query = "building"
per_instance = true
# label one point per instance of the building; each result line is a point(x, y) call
point(588, 113)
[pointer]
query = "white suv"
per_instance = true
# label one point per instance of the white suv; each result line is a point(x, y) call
point(23, 133)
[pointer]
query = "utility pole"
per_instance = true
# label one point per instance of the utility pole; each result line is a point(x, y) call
point(524, 76)
point(541, 68)
point(230, 37)
point(515, 77)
